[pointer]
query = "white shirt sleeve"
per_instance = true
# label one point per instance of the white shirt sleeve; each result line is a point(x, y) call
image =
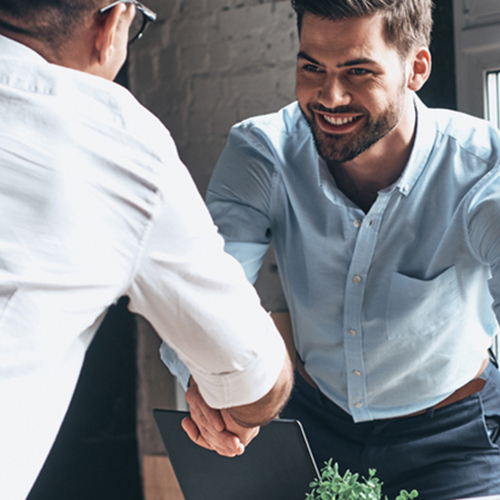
point(199, 301)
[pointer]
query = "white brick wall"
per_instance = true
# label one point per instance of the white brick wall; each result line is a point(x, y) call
point(207, 64)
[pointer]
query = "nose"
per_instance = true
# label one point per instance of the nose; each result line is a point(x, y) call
point(333, 92)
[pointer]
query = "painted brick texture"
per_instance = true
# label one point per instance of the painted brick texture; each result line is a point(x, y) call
point(207, 64)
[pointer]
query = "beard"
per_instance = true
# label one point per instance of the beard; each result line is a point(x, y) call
point(341, 148)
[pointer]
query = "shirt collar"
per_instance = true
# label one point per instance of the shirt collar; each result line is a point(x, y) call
point(24, 69)
point(424, 142)
point(11, 48)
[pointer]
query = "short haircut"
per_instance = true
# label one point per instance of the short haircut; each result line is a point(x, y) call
point(51, 21)
point(408, 23)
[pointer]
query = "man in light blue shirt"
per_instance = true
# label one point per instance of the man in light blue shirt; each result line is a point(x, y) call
point(385, 218)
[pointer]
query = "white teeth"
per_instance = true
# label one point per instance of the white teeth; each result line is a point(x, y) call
point(338, 121)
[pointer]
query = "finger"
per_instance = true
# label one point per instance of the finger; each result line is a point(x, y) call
point(207, 431)
point(210, 417)
point(245, 434)
point(213, 417)
point(210, 424)
point(204, 413)
point(196, 436)
point(252, 434)
point(224, 443)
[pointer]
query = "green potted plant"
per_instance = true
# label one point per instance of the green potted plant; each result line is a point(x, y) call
point(333, 486)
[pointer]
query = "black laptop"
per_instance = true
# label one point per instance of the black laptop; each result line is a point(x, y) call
point(276, 465)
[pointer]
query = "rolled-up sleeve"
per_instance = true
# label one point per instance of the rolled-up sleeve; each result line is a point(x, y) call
point(239, 197)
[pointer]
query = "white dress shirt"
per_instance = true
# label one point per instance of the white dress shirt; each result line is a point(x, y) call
point(95, 204)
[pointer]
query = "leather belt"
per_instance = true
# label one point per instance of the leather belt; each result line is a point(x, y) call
point(470, 388)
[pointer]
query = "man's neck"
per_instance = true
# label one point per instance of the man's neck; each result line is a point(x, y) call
point(30, 42)
point(70, 55)
point(378, 167)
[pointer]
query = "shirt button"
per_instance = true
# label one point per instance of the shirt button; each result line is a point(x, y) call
point(356, 372)
point(352, 332)
point(359, 404)
point(357, 223)
point(356, 279)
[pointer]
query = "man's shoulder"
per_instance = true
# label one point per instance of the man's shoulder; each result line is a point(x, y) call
point(471, 134)
point(90, 112)
point(287, 122)
point(72, 95)
point(457, 122)
point(118, 114)
point(117, 102)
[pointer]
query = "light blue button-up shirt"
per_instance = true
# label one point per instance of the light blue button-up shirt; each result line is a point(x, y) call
point(394, 309)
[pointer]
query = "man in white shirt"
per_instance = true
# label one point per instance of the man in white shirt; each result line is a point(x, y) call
point(95, 205)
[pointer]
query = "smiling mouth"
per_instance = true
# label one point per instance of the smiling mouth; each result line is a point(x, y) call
point(338, 124)
point(339, 121)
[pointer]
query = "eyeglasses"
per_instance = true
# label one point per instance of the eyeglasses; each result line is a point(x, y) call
point(143, 16)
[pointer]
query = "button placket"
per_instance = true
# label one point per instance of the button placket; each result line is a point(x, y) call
point(354, 296)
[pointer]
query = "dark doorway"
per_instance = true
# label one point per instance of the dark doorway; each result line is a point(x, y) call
point(95, 456)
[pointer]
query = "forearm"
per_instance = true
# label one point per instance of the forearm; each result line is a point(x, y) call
point(268, 407)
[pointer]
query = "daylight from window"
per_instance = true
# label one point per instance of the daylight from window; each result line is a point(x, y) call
point(492, 104)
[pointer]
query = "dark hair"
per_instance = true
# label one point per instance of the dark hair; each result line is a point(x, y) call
point(52, 21)
point(408, 23)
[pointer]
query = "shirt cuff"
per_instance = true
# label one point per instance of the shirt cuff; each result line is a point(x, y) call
point(248, 385)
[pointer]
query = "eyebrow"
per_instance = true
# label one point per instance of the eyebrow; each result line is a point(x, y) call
point(303, 55)
point(356, 62)
point(347, 64)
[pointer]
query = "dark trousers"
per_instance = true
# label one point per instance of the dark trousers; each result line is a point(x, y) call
point(445, 454)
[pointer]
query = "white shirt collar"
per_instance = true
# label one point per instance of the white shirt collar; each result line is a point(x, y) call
point(11, 48)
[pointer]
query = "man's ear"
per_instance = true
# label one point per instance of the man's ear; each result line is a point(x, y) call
point(108, 31)
point(420, 68)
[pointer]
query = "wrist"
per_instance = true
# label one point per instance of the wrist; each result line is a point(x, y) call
point(268, 407)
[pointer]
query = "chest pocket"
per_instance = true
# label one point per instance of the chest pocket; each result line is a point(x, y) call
point(422, 307)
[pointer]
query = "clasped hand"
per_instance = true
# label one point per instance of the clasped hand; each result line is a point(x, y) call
point(214, 429)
